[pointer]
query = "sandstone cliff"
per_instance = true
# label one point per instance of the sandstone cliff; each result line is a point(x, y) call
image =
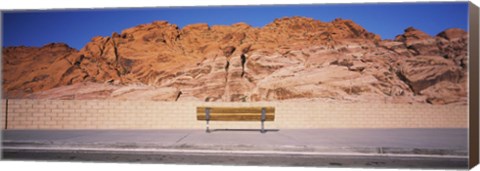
point(296, 58)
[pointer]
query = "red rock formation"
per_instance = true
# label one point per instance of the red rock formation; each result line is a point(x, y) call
point(295, 58)
point(28, 69)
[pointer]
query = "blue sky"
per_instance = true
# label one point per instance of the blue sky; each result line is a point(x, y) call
point(77, 27)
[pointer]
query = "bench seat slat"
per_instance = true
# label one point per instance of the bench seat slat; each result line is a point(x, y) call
point(236, 109)
point(236, 117)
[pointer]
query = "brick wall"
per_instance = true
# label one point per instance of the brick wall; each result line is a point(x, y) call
point(103, 114)
point(2, 114)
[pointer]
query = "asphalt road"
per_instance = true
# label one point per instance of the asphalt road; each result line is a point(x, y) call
point(243, 159)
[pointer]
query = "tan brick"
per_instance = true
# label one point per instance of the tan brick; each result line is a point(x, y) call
point(38, 114)
point(50, 122)
point(32, 110)
point(57, 110)
point(51, 106)
point(56, 102)
point(51, 114)
point(38, 106)
point(45, 110)
point(69, 110)
point(17, 110)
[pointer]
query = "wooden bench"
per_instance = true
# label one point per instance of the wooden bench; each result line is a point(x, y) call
point(261, 114)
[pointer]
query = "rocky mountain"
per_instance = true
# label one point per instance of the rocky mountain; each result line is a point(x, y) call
point(289, 59)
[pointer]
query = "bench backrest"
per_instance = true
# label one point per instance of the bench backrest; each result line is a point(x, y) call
point(236, 113)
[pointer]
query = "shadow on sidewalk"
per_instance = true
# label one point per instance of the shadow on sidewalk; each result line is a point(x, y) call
point(252, 130)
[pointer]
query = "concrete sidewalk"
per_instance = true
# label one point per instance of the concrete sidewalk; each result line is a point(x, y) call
point(416, 142)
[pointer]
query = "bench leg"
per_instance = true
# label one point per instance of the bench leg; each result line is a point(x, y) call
point(264, 111)
point(262, 130)
point(208, 129)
